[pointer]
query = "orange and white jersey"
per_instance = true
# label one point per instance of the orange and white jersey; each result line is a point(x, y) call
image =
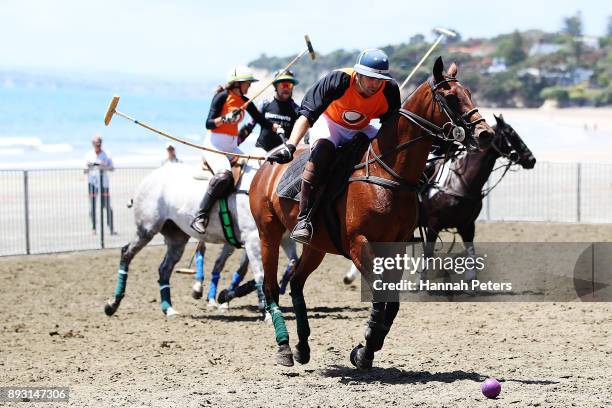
point(338, 97)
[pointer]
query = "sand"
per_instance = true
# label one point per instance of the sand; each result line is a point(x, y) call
point(54, 333)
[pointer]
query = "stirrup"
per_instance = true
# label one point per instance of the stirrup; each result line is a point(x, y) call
point(199, 223)
point(302, 232)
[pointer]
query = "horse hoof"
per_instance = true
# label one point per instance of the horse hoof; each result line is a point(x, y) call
point(302, 353)
point(212, 304)
point(261, 306)
point(224, 296)
point(284, 356)
point(171, 313)
point(223, 307)
point(359, 360)
point(197, 290)
point(109, 309)
point(347, 280)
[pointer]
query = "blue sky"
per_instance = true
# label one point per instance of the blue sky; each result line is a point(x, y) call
point(198, 39)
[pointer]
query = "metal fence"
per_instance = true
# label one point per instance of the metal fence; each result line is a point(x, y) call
point(564, 192)
point(44, 211)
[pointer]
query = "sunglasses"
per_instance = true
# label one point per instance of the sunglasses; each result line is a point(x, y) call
point(285, 85)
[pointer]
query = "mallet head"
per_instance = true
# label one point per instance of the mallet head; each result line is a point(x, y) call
point(111, 109)
point(445, 32)
point(309, 45)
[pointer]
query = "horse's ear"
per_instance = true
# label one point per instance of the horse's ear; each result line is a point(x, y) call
point(452, 70)
point(501, 117)
point(438, 70)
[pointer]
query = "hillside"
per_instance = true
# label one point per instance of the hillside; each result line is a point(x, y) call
point(519, 69)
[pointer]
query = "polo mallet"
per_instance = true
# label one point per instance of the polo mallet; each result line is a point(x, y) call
point(112, 110)
point(308, 50)
point(188, 270)
point(443, 32)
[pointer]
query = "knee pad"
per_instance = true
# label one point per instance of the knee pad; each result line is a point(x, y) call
point(224, 181)
point(319, 162)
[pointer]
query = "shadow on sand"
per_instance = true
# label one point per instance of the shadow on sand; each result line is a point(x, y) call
point(320, 312)
point(397, 376)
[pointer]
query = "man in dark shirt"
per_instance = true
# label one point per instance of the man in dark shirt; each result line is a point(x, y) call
point(281, 110)
point(337, 107)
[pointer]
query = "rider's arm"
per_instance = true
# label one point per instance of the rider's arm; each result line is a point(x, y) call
point(392, 94)
point(246, 130)
point(300, 128)
point(216, 107)
point(257, 116)
point(319, 96)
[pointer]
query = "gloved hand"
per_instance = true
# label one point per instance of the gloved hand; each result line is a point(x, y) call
point(231, 117)
point(282, 155)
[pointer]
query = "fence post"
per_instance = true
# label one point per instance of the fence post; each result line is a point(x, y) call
point(578, 192)
point(488, 202)
point(26, 209)
point(100, 191)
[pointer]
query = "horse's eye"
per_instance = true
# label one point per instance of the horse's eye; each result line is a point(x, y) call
point(453, 101)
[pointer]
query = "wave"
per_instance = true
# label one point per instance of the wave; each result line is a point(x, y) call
point(19, 145)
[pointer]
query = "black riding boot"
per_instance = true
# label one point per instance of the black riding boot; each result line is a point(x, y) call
point(314, 175)
point(219, 186)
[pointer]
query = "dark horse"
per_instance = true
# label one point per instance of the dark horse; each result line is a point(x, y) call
point(458, 201)
point(379, 205)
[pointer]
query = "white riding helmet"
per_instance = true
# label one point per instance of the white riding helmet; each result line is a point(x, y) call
point(240, 73)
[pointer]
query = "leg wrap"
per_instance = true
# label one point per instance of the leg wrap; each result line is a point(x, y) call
point(122, 276)
point(236, 279)
point(301, 317)
point(245, 289)
point(261, 296)
point(164, 291)
point(280, 329)
point(199, 266)
point(376, 331)
point(214, 280)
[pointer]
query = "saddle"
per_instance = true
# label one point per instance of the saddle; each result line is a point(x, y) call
point(342, 168)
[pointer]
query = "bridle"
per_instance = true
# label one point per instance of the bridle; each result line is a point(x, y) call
point(458, 124)
point(499, 138)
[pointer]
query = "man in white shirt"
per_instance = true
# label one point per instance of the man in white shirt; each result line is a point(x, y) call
point(171, 158)
point(97, 164)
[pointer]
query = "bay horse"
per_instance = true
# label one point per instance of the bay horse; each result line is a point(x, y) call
point(383, 212)
point(458, 201)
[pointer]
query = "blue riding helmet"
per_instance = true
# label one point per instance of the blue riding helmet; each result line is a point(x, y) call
point(373, 63)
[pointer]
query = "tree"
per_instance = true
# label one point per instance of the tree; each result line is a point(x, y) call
point(512, 49)
point(417, 39)
point(573, 25)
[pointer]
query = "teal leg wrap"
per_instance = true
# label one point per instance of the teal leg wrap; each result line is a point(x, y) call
point(280, 330)
point(122, 276)
point(164, 290)
point(301, 318)
point(260, 294)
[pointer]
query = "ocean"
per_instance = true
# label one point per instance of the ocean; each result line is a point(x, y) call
point(52, 128)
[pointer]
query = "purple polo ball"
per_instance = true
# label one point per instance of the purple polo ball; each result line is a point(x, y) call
point(490, 388)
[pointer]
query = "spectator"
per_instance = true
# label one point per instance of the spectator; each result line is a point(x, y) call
point(171, 155)
point(97, 164)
